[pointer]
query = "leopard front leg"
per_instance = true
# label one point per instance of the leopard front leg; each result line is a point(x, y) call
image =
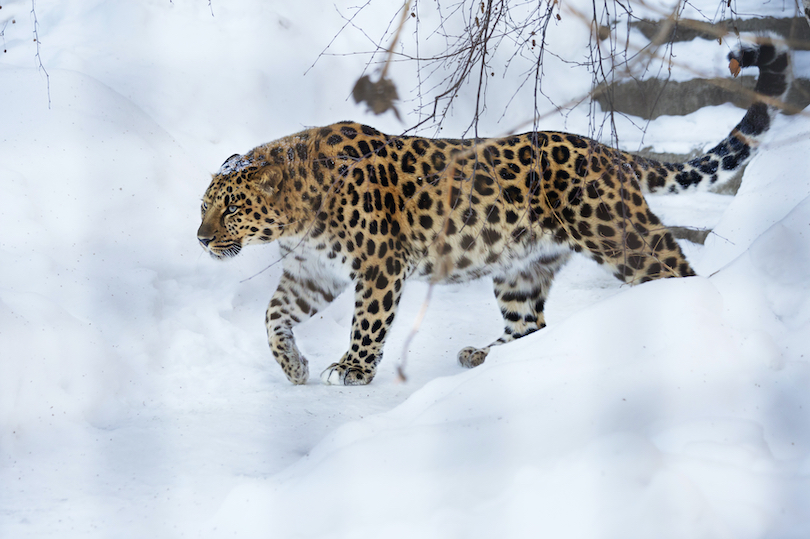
point(521, 297)
point(376, 297)
point(297, 298)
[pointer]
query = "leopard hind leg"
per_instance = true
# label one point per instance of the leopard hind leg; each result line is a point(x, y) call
point(639, 248)
point(521, 297)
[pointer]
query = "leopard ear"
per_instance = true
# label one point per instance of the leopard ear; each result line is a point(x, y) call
point(231, 158)
point(269, 179)
point(234, 163)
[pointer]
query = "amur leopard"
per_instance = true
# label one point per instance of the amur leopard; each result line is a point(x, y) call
point(351, 206)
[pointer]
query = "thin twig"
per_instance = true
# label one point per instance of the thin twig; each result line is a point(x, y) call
point(417, 323)
point(38, 56)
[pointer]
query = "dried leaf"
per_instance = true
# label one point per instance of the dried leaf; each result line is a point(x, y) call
point(734, 67)
point(379, 96)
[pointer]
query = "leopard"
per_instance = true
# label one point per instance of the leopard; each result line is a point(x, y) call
point(352, 207)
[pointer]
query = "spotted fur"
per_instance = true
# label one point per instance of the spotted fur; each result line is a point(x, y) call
point(353, 207)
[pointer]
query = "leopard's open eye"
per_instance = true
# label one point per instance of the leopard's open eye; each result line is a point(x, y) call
point(231, 209)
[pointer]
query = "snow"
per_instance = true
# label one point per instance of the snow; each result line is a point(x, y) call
point(137, 394)
point(235, 163)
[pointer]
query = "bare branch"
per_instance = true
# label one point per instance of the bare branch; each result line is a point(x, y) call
point(38, 56)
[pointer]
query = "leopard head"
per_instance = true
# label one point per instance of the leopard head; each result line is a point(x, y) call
point(245, 204)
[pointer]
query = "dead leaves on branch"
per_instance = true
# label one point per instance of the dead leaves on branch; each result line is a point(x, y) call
point(379, 96)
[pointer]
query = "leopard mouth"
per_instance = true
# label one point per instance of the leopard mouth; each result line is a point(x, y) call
point(222, 252)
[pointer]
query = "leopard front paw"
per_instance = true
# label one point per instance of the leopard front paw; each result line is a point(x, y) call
point(298, 373)
point(294, 365)
point(346, 374)
point(472, 357)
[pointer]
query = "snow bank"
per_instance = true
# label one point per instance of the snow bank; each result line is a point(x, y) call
point(601, 426)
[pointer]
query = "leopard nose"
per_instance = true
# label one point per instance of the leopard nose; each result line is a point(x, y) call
point(205, 240)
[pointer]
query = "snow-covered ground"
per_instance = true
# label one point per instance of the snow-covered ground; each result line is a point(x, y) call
point(137, 394)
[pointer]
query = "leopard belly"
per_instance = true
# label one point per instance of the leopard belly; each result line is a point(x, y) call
point(488, 260)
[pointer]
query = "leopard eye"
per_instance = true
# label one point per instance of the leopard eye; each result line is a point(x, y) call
point(231, 209)
point(205, 206)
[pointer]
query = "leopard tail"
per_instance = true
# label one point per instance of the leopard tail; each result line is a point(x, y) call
point(723, 162)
